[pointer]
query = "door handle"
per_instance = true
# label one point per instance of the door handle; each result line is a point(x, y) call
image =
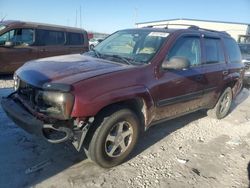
point(225, 72)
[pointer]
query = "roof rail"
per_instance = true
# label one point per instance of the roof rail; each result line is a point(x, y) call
point(166, 25)
point(195, 27)
point(211, 30)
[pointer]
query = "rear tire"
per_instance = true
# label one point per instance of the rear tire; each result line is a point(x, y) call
point(223, 105)
point(114, 139)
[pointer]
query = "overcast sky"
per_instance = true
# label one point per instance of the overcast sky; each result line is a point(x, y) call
point(111, 15)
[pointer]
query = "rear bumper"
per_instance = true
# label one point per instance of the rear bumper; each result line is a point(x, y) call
point(22, 117)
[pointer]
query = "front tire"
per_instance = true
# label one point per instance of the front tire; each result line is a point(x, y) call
point(114, 139)
point(223, 105)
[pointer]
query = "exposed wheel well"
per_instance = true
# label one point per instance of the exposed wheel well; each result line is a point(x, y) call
point(137, 105)
point(233, 85)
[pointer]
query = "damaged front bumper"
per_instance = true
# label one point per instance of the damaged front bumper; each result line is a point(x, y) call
point(27, 121)
point(22, 117)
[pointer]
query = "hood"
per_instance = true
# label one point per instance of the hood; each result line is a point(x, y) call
point(67, 69)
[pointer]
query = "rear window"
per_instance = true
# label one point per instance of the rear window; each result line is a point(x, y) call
point(214, 51)
point(49, 37)
point(233, 50)
point(75, 39)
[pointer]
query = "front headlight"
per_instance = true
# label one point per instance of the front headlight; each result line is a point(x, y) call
point(16, 82)
point(55, 104)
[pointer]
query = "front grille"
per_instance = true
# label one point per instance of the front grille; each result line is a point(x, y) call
point(28, 93)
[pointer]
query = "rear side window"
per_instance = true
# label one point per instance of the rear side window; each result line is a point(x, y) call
point(75, 39)
point(233, 50)
point(187, 47)
point(48, 37)
point(214, 51)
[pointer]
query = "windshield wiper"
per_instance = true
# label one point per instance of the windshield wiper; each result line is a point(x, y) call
point(124, 59)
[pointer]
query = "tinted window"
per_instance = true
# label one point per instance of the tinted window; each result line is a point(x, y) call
point(18, 37)
point(47, 37)
point(232, 50)
point(245, 48)
point(214, 51)
point(75, 39)
point(187, 47)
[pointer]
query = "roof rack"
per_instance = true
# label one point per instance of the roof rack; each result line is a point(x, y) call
point(195, 27)
point(210, 30)
point(166, 25)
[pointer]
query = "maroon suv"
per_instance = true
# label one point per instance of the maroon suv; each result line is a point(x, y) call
point(103, 99)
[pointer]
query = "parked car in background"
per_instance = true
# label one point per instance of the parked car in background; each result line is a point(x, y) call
point(94, 41)
point(24, 41)
point(103, 99)
point(245, 53)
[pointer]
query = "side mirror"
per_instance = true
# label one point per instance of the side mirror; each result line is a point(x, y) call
point(9, 44)
point(177, 63)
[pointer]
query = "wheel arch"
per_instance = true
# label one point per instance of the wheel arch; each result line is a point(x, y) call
point(141, 105)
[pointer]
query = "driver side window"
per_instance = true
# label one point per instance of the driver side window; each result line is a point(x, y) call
point(18, 37)
point(6, 37)
point(187, 47)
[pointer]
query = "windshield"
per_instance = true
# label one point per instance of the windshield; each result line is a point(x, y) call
point(131, 46)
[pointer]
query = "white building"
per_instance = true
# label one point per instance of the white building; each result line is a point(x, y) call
point(239, 31)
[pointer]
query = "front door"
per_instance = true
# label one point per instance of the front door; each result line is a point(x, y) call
point(19, 50)
point(180, 91)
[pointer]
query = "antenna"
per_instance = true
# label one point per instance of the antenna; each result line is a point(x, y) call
point(76, 19)
point(135, 15)
point(80, 16)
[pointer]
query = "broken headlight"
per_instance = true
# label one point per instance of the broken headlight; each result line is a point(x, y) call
point(55, 104)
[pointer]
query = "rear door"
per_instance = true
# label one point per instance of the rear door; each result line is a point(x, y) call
point(51, 42)
point(180, 91)
point(215, 69)
point(75, 43)
point(21, 50)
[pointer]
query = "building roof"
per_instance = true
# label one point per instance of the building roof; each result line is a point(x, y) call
point(193, 20)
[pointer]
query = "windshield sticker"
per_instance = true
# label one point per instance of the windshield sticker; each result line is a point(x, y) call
point(158, 34)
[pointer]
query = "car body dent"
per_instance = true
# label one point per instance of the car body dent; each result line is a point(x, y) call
point(97, 103)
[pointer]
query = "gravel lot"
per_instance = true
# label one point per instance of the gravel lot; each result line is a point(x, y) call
point(191, 151)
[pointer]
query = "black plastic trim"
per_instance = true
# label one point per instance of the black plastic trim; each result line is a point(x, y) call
point(57, 87)
point(183, 98)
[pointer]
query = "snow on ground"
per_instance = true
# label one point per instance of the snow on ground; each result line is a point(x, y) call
point(191, 151)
